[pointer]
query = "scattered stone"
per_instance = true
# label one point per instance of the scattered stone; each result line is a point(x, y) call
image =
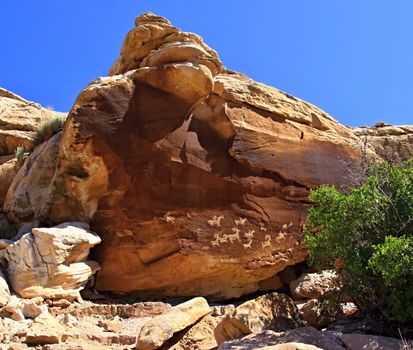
point(51, 262)
point(314, 285)
point(269, 312)
point(68, 320)
point(44, 330)
point(13, 309)
point(291, 346)
point(161, 328)
point(33, 308)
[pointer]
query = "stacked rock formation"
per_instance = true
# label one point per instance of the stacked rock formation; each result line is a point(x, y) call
point(196, 178)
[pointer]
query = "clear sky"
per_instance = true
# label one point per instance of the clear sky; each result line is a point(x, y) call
point(352, 58)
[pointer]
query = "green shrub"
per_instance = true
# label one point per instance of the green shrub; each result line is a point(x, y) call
point(19, 154)
point(361, 232)
point(47, 129)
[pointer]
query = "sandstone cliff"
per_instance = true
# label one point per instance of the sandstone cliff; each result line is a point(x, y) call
point(196, 178)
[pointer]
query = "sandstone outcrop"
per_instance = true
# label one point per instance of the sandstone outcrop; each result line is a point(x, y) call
point(178, 162)
point(275, 312)
point(52, 262)
point(161, 328)
point(393, 143)
point(19, 120)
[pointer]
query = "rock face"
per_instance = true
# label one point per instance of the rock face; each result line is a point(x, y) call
point(4, 290)
point(196, 178)
point(52, 262)
point(19, 120)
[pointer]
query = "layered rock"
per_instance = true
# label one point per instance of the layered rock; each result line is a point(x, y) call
point(196, 178)
point(19, 120)
point(52, 262)
point(393, 143)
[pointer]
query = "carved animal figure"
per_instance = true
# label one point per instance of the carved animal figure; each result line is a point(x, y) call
point(169, 218)
point(249, 234)
point(240, 221)
point(285, 227)
point(215, 221)
point(247, 245)
point(267, 241)
point(215, 243)
point(235, 236)
point(223, 239)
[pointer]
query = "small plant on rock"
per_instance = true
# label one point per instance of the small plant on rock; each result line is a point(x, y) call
point(20, 155)
point(48, 128)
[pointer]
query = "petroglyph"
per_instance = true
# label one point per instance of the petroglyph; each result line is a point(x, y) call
point(215, 243)
point(262, 227)
point(235, 236)
point(215, 221)
point(247, 245)
point(267, 241)
point(169, 218)
point(249, 234)
point(285, 227)
point(223, 239)
point(240, 221)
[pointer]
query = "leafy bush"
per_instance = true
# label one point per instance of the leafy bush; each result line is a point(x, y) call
point(48, 128)
point(19, 153)
point(367, 234)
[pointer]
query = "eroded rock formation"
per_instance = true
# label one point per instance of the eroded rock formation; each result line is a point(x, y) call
point(19, 120)
point(52, 262)
point(195, 177)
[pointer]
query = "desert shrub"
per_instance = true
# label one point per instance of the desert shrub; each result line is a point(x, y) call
point(367, 234)
point(48, 128)
point(19, 154)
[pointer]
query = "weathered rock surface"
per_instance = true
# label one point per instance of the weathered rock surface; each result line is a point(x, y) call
point(391, 142)
point(32, 191)
point(363, 341)
point(177, 162)
point(200, 336)
point(8, 171)
point(161, 328)
point(273, 311)
point(52, 262)
point(267, 339)
point(19, 120)
point(4, 290)
point(314, 285)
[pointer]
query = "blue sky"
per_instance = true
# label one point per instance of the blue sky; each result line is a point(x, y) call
point(352, 58)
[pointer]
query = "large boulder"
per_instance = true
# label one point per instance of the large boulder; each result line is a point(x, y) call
point(4, 290)
point(52, 262)
point(176, 161)
point(275, 312)
point(161, 328)
point(19, 120)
